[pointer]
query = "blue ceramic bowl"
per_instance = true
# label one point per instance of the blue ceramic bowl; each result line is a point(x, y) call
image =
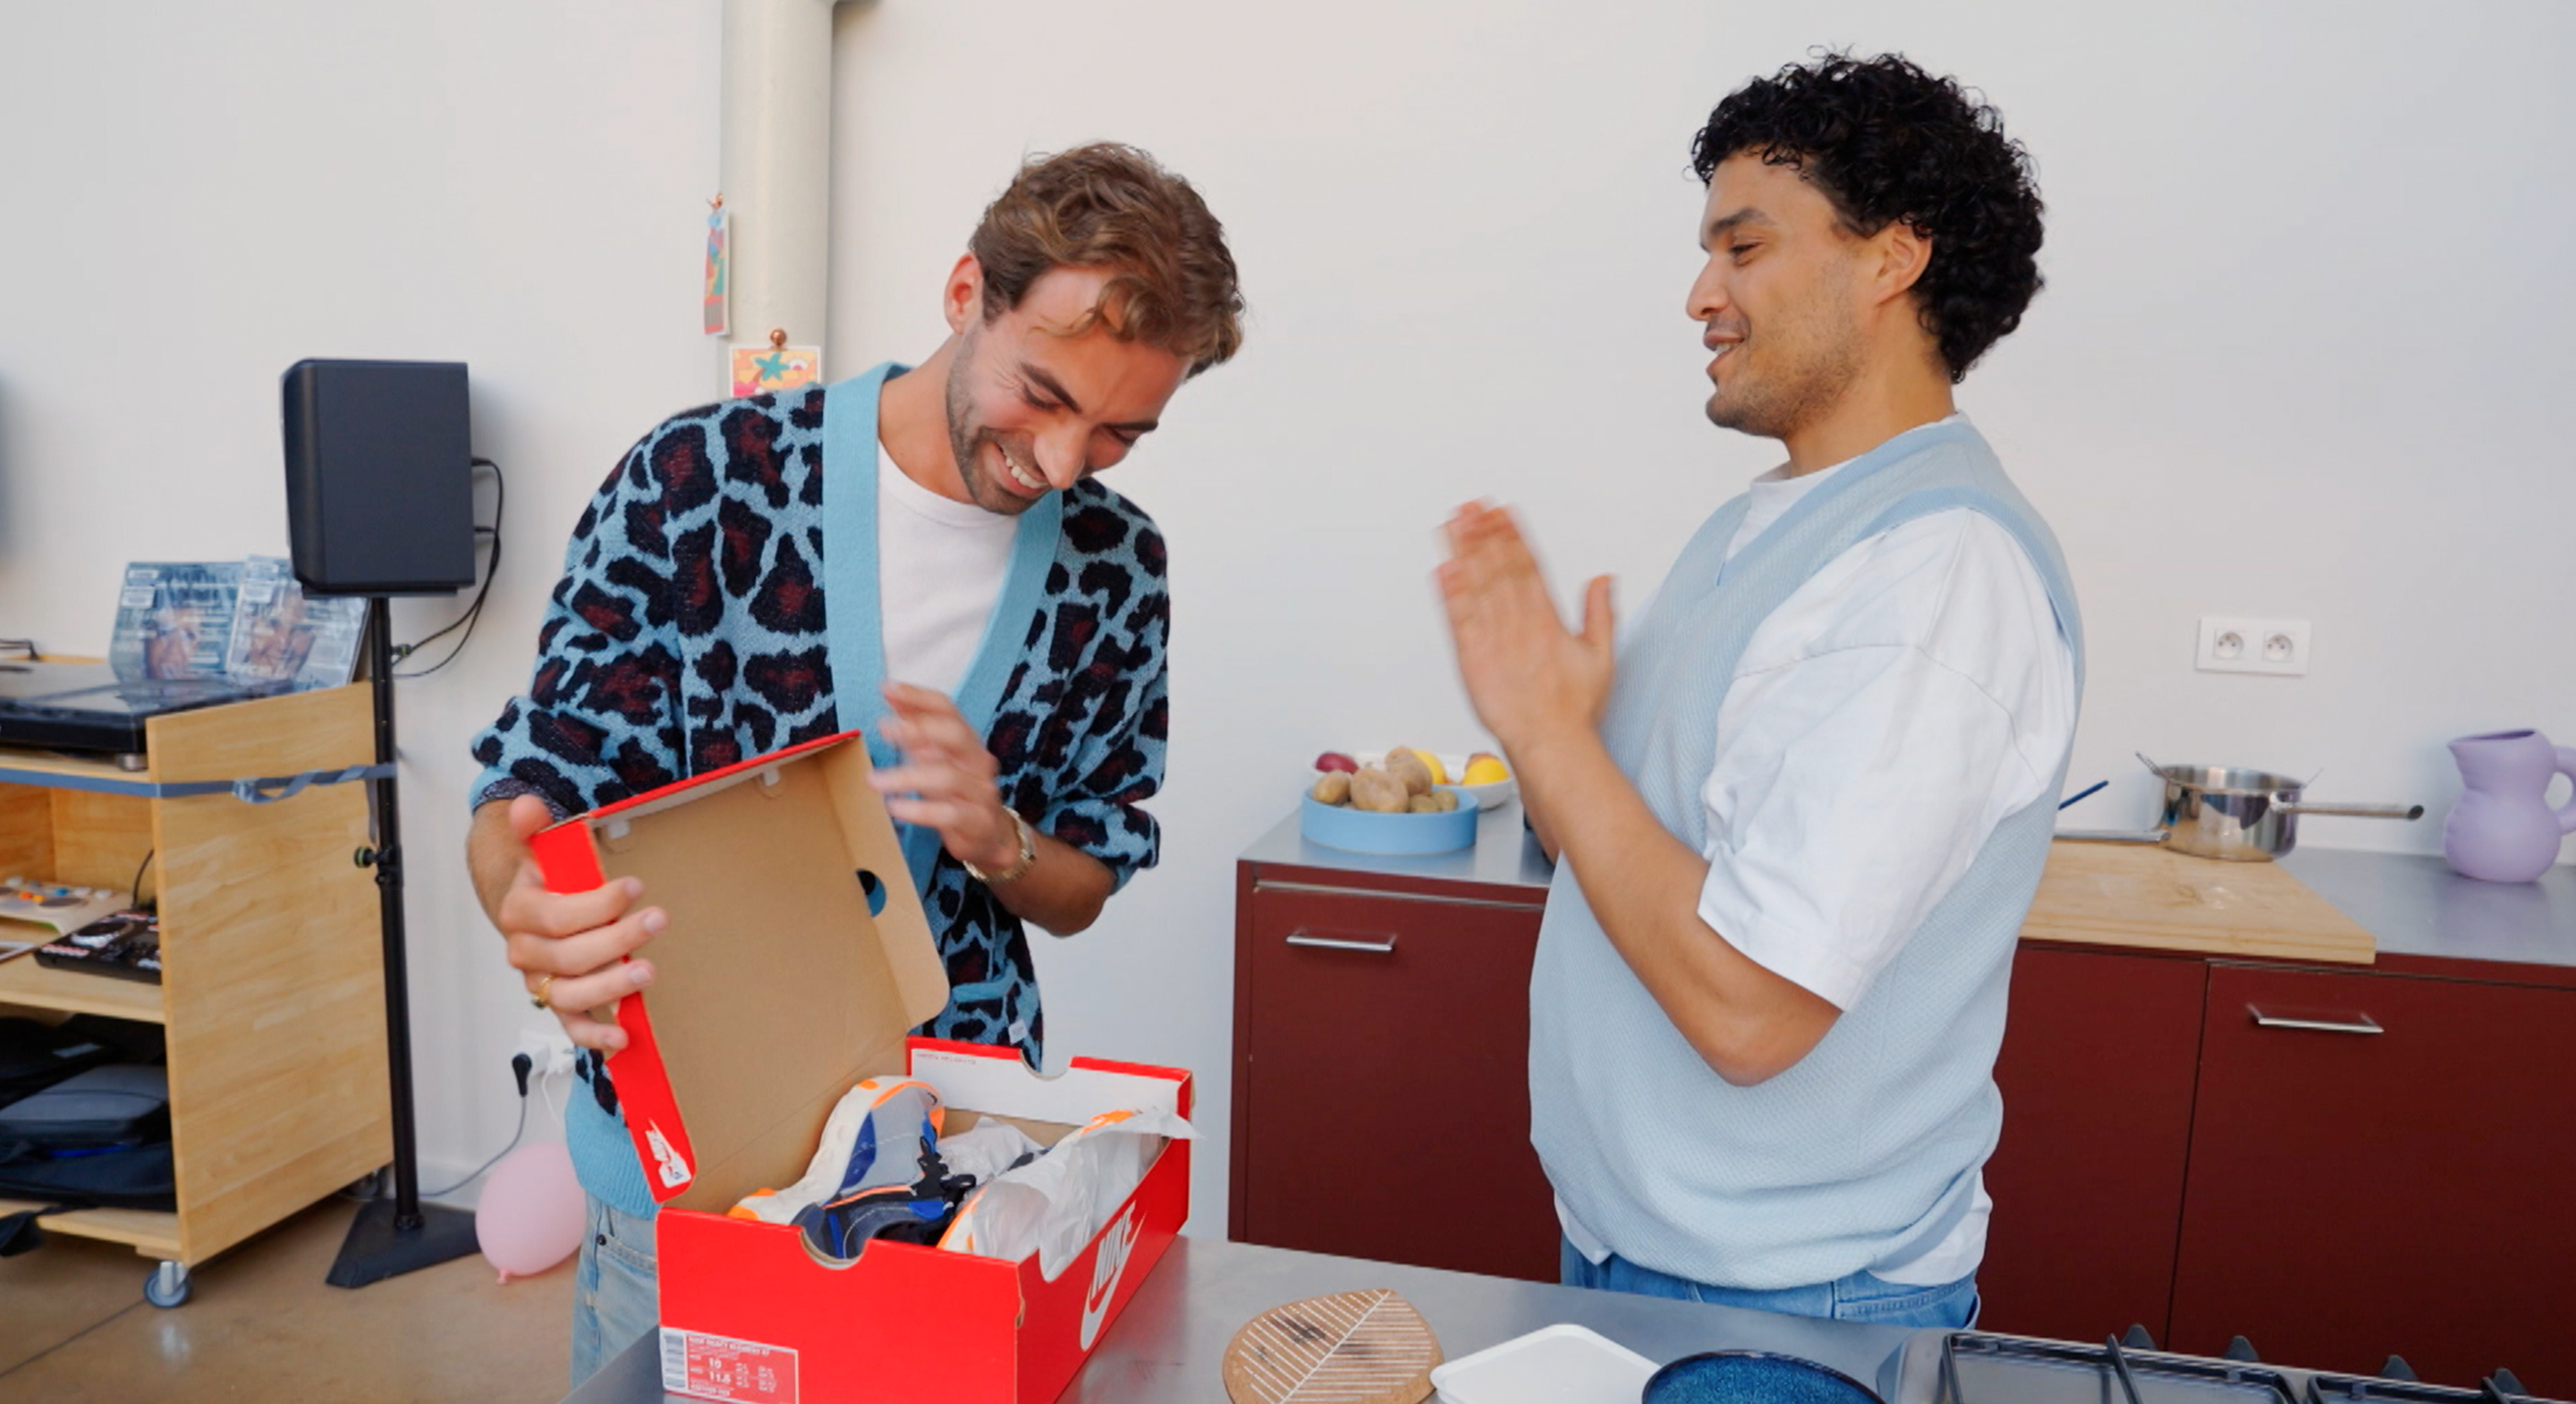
point(1753, 1377)
point(1360, 831)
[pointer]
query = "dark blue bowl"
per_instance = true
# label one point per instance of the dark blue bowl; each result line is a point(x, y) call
point(1753, 1377)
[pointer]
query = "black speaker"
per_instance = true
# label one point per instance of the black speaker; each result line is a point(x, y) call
point(379, 477)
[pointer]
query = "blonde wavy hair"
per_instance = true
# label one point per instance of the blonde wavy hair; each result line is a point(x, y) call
point(1109, 206)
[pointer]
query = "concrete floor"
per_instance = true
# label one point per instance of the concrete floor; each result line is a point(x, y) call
point(262, 1325)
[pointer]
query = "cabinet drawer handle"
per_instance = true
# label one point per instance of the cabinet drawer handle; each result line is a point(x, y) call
point(2357, 1024)
point(1383, 945)
point(1537, 903)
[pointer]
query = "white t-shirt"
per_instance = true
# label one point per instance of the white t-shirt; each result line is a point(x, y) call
point(1882, 721)
point(940, 565)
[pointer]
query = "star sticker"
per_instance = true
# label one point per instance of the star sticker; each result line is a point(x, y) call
point(772, 366)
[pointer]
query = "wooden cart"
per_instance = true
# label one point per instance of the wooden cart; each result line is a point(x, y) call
point(272, 996)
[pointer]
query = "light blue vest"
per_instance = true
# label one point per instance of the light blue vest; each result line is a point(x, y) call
point(1866, 1152)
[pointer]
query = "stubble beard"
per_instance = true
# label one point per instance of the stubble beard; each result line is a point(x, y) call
point(1818, 356)
point(965, 436)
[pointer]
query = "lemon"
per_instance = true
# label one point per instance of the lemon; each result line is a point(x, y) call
point(1485, 770)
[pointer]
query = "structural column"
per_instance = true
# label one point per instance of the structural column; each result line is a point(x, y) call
point(774, 160)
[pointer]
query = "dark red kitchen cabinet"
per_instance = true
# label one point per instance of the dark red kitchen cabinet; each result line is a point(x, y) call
point(2100, 1053)
point(1381, 1077)
point(2379, 1164)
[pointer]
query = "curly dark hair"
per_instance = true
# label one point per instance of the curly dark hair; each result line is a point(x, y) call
point(1884, 141)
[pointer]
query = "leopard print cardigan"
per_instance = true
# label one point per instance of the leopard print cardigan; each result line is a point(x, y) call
point(687, 633)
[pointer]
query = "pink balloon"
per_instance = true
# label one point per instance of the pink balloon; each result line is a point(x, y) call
point(530, 1215)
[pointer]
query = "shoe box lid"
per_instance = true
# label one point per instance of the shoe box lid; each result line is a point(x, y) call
point(796, 962)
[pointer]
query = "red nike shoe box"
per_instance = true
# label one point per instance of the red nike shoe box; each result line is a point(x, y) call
point(797, 960)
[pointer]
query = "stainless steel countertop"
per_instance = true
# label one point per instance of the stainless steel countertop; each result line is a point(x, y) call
point(2416, 906)
point(1504, 856)
point(1167, 1346)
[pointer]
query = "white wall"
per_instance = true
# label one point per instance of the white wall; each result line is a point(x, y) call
point(2298, 355)
point(200, 195)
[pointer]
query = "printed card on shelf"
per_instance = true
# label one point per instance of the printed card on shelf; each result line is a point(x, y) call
point(174, 619)
point(281, 634)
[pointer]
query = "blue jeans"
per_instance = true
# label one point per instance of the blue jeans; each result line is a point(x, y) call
point(1859, 1297)
point(615, 1301)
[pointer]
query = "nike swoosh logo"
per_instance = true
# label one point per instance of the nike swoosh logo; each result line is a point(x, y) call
point(1115, 1248)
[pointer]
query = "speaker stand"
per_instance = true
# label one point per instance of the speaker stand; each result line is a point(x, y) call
point(399, 1235)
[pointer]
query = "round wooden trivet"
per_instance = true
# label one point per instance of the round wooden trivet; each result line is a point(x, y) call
point(1348, 1348)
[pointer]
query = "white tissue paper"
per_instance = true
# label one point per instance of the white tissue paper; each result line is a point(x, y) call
point(1056, 1203)
point(987, 1151)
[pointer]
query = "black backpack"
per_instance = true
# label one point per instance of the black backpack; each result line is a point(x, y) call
point(35, 1055)
point(100, 1140)
point(114, 1107)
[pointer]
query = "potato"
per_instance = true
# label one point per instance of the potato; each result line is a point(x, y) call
point(1332, 787)
point(1408, 767)
point(1430, 762)
point(1446, 799)
point(1377, 791)
point(1423, 804)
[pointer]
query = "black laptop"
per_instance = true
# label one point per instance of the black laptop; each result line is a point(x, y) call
point(86, 708)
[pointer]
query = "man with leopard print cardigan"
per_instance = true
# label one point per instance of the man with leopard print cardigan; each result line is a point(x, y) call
point(722, 598)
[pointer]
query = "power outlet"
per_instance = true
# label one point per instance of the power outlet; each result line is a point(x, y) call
point(2236, 645)
point(548, 1049)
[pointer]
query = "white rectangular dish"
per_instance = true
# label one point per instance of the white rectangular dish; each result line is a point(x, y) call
point(1553, 1365)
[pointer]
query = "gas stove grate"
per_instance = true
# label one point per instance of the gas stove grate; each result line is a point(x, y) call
point(2125, 1366)
point(2401, 1387)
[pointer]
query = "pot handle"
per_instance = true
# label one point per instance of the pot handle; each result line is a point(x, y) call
point(2567, 811)
point(2357, 811)
point(2112, 835)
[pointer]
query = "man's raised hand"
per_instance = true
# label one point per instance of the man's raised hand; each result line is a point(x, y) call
point(1528, 676)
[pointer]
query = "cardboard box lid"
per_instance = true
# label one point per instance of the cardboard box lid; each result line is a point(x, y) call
point(776, 988)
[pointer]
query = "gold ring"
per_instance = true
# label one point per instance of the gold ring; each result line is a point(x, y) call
point(537, 996)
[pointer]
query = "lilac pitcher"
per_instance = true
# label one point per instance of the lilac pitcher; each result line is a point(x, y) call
point(2503, 829)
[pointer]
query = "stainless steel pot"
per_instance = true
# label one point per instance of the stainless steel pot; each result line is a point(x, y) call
point(2246, 816)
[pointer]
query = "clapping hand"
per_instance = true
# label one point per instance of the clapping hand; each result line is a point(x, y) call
point(1528, 676)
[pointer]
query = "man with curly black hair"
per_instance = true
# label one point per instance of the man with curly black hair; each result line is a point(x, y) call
point(1803, 803)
